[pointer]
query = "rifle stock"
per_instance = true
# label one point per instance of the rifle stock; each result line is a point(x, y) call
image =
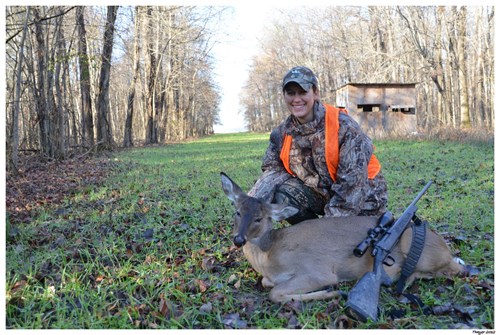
point(363, 298)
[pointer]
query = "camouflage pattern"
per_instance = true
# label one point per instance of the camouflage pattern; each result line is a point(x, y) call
point(267, 183)
point(293, 192)
point(352, 194)
point(302, 76)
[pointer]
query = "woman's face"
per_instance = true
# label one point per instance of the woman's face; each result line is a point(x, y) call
point(299, 102)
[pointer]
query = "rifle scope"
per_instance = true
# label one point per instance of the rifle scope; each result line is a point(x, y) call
point(384, 223)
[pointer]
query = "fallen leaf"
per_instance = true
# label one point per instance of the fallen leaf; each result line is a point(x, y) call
point(149, 259)
point(51, 291)
point(465, 313)
point(129, 253)
point(234, 321)
point(344, 322)
point(208, 263)
point(148, 234)
point(321, 316)
point(206, 308)
point(18, 285)
point(293, 323)
point(442, 309)
point(232, 279)
point(294, 306)
point(202, 286)
point(165, 308)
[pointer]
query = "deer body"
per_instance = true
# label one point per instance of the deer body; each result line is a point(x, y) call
point(299, 261)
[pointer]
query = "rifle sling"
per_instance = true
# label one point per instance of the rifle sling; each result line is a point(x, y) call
point(415, 302)
point(417, 245)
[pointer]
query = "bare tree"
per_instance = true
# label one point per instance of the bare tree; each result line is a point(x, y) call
point(465, 121)
point(14, 133)
point(127, 137)
point(104, 133)
point(40, 92)
point(86, 96)
point(152, 126)
point(58, 100)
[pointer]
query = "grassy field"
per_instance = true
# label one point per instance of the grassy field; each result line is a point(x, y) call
point(151, 248)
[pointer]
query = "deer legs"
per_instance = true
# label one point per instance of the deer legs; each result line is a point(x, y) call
point(303, 288)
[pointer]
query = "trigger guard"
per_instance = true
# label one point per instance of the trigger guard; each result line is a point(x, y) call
point(389, 261)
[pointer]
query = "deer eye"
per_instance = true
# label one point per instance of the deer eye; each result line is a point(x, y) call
point(258, 219)
point(238, 213)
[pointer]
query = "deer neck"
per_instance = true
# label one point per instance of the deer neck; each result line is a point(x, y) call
point(262, 243)
point(257, 251)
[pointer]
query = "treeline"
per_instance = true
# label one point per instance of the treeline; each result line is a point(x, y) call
point(92, 78)
point(447, 51)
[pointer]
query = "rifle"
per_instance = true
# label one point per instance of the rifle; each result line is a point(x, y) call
point(364, 296)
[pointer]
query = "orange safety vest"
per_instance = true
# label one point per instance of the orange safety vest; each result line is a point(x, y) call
point(331, 146)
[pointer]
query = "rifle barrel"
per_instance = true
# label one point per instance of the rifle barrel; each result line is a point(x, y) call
point(417, 198)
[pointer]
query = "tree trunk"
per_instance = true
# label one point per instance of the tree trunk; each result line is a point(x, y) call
point(151, 133)
point(127, 138)
point(86, 97)
point(40, 93)
point(59, 110)
point(438, 72)
point(104, 135)
point(14, 148)
point(465, 121)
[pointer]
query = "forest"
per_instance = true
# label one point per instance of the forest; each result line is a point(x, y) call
point(86, 79)
point(446, 51)
point(95, 78)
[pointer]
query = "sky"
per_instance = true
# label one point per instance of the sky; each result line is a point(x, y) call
point(233, 56)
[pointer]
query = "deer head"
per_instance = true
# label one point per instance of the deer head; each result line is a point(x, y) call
point(253, 216)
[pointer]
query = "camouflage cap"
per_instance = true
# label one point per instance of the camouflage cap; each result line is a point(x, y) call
point(302, 76)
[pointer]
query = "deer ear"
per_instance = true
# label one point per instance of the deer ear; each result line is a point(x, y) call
point(232, 190)
point(281, 212)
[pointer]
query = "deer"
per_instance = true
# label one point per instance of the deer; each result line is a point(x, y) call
point(304, 261)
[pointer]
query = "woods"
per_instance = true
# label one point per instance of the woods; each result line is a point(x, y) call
point(93, 78)
point(446, 51)
point(82, 79)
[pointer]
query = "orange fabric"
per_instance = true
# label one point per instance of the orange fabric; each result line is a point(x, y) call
point(285, 153)
point(332, 140)
point(373, 166)
point(331, 146)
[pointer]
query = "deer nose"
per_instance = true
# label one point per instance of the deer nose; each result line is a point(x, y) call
point(239, 241)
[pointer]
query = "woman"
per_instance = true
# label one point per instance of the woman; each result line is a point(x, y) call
point(319, 160)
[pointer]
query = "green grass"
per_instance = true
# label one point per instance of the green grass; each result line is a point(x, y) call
point(152, 247)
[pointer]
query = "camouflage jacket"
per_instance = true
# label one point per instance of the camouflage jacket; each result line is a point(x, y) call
point(352, 193)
